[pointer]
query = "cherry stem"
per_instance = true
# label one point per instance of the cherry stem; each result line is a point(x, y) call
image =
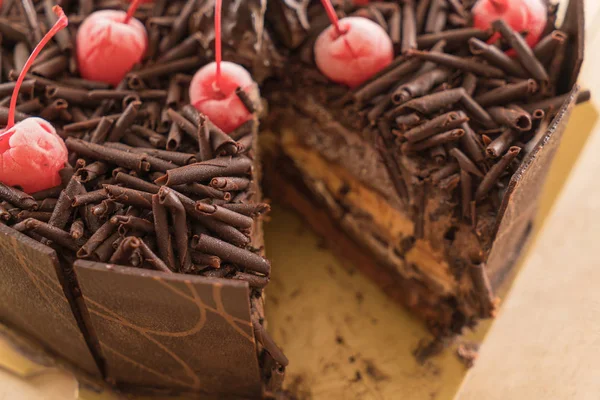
point(332, 16)
point(132, 8)
point(60, 24)
point(218, 52)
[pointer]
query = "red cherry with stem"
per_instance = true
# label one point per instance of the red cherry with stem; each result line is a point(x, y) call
point(31, 153)
point(521, 15)
point(212, 90)
point(352, 49)
point(109, 44)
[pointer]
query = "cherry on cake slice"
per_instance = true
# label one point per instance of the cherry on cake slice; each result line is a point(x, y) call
point(426, 173)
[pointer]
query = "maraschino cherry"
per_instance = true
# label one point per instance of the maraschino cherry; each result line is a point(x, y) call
point(31, 153)
point(109, 44)
point(352, 49)
point(212, 90)
point(521, 15)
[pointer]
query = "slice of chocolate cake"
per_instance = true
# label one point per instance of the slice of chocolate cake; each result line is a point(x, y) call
point(426, 175)
point(145, 264)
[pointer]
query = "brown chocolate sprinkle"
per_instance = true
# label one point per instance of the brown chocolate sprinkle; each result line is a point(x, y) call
point(494, 173)
point(227, 252)
point(17, 197)
point(409, 26)
point(464, 64)
point(517, 119)
point(465, 162)
point(206, 170)
point(497, 57)
point(524, 52)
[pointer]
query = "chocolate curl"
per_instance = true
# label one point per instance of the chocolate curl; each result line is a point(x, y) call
point(43, 216)
point(91, 123)
point(464, 64)
point(121, 158)
point(444, 172)
point(433, 102)
point(97, 238)
point(420, 85)
point(51, 192)
point(409, 26)
point(202, 132)
point(152, 259)
point(83, 83)
point(247, 128)
point(221, 143)
point(267, 342)
point(249, 209)
point(133, 182)
point(205, 260)
point(406, 121)
point(240, 221)
point(421, 14)
point(180, 26)
point(477, 112)
point(30, 107)
point(72, 95)
point(382, 83)
point(27, 87)
point(186, 48)
point(32, 21)
point(438, 154)
point(230, 253)
point(77, 229)
point(163, 238)
point(52, 67)
point(203, 191)
point(107, 248)
point(125, 251)
point(496, 57)
point(435, 140)
point(19, 116)
point(129, 197)
point(465, 162)
point(469, 83)
point(254, 281)
point(90, 197)
point(164, 69)
point(246, 100)
point(499, 145)
point(471, 143)
point(47, 204)
point(384, 142)
point(154, 138)
point(53, 110)
point(524, 52)
point(17, 197)
point(558, 59)
point(184, 123)
point(168, 199)
point(554, 103)
point(227, 184)
point(427, 66)
point(451, 36)
point(104, 209)
point(53, 234)
point(174, 137)
point(92, 171)
point(4, 214)
point(517, 119)
point(544, 50)
point(165, 155)
point(124, 121)
point(490, 179)
point(62, 37)
point(128, 223)
point(466, 188)
point(509, 93)
point(206, 170)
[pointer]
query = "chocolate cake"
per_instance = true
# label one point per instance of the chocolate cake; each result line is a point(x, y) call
point(427, 175)
point(145, 266)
